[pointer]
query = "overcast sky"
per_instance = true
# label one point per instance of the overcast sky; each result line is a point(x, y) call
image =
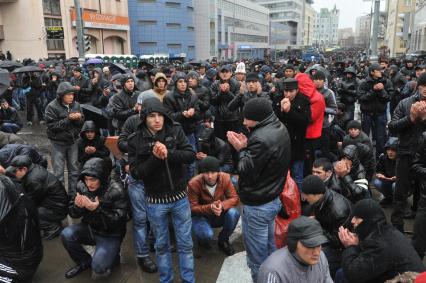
point(349, 9)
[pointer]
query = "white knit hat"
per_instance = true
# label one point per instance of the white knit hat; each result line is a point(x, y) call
point(241, 68)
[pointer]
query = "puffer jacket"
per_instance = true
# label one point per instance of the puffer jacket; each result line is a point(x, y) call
point(121, 106)
point(220, 100)
point(20, 242)
point(354, 186)
point(382, 253)
point(332, 211)
point(371, 101)
point(98, 142)
point(203, 94)
point(130, 126)
point(307, 87)
point(176, 103)
point(163, 183)
point(408, 133)
point(60, 129)
point(347, 89)
point(45, 190)
point(264, 163)
point(109, 219)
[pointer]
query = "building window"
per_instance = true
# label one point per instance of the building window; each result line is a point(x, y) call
point(54, 44)
point(147, 23)
point(191, 9)
point(52, 7)
point(147, 1)
point(173, 4)
point(147, 44)
point(402, 44)
point(190, 28)
point(173, 25)
point(174, 45)
point(408, 3)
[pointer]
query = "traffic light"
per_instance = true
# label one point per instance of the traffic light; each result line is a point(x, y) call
point(87, 43)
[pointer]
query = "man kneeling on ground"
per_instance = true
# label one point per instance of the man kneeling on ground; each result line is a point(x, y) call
point(213, 202)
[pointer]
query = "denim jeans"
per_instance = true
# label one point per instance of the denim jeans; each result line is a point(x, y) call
point(258, 233)
point(385, 187)
point(190, 168)
point(69, 154)
point(10, 128)
point(180, 212)
point(377, 124)
point(297, 172)
point(107, 248)
point(140, 220)
point(202, 226)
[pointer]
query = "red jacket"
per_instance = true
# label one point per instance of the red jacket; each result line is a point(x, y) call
point(307, 87)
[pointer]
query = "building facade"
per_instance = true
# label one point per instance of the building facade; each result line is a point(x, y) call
point(363, 31)
point(399, 16)
point(326, 25)
point(290, 15)
point(309, 25)
point(418, 38)
point(105, 22)
point(162, 27)
point(231, 29)
point(345, 37)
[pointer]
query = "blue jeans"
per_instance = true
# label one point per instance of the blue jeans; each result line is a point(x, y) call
point(10, 128)
point(385, 187)
point(297, 172)
point(202, 225)
point(107, 248)
point(190, 168)
point(258, 233)
point(180, 212)
point(140, 220)
point(69, 154)
point(377, 124)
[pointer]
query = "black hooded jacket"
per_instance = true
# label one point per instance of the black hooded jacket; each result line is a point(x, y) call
point(382, 253)
point(20, 243)
point(347, 89)
point(98, 142)
point(264, 163)
point(372, 101)
point(221, 100)
point(164, 180)
point(121, 106)
point(9, 151)
point(10, 115)
point(109, 219)
point(211, 145)
point(60, 129)
point(418, 168)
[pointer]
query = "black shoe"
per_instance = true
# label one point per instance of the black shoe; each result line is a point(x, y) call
point(76, 270)
point(386, 201)
point(409, 214)
point(226, 247)
point(147, 264)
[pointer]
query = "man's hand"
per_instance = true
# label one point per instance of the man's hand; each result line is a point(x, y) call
point(217, 207)
point(224, 87)
point(75, 116)
point(91, 205)
point(414, 112)
point(94, 81)
point(238, 141)
point(347, 238)
point(341, 168)
point(76, 87)
point(90, 149)
point(160, 150)
point(285, 105)
point(201, 155)
point(379, 86)
point(191, 112)
point(381, 176)
point(79, 201)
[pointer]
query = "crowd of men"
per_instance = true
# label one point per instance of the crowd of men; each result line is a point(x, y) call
point(204, 145)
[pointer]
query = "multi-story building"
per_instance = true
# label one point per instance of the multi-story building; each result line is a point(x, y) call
point(162, 27)
point(309, 25)
point(231, 29)
point(418, 38)
point(345, 37)
point(50, 31)
point(326, 24)
point(363, 31)
point(399, 16)
point(289, 14)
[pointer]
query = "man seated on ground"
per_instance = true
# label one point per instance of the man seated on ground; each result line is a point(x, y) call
point(9, 118)
point(91, 144)
point(21, 250)
point(102, 203)
point(386, 171)
point(302, 259)
point(376, 252)
point(332, 210)
point(10, 151)
point(45, 190)
point(213, 202)
point(323, 168)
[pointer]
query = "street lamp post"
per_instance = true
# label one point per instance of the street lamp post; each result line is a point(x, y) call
point(376, 18)
point(79, 28)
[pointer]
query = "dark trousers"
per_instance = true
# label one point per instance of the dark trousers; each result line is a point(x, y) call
point(107, 248)
point(419, 233)
point(50, 220)
point(325, 145)
point(402, 190)
point(220, 130)
point(31, 103)
point(376, 123)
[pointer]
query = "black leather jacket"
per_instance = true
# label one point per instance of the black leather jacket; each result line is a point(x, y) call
point(264, 163)
point(333, 211)
point(221, 100)
point(121, 106)
point(371, 101)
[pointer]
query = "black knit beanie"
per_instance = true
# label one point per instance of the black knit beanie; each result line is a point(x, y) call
point(257, 109)
point(319, 75)
point(313, 185)
point(209, 164)
point(353, 125)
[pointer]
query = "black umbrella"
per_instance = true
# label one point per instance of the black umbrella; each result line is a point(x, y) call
point(92, 113)
point(195, 63)
point(4, 81)
point(10, 64)
point(118, 67)
point(27, 69)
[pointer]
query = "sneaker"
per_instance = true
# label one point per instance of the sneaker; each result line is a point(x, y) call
point(29, 123)
point(226, 247)
point(76, 270)
point(147, 264)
